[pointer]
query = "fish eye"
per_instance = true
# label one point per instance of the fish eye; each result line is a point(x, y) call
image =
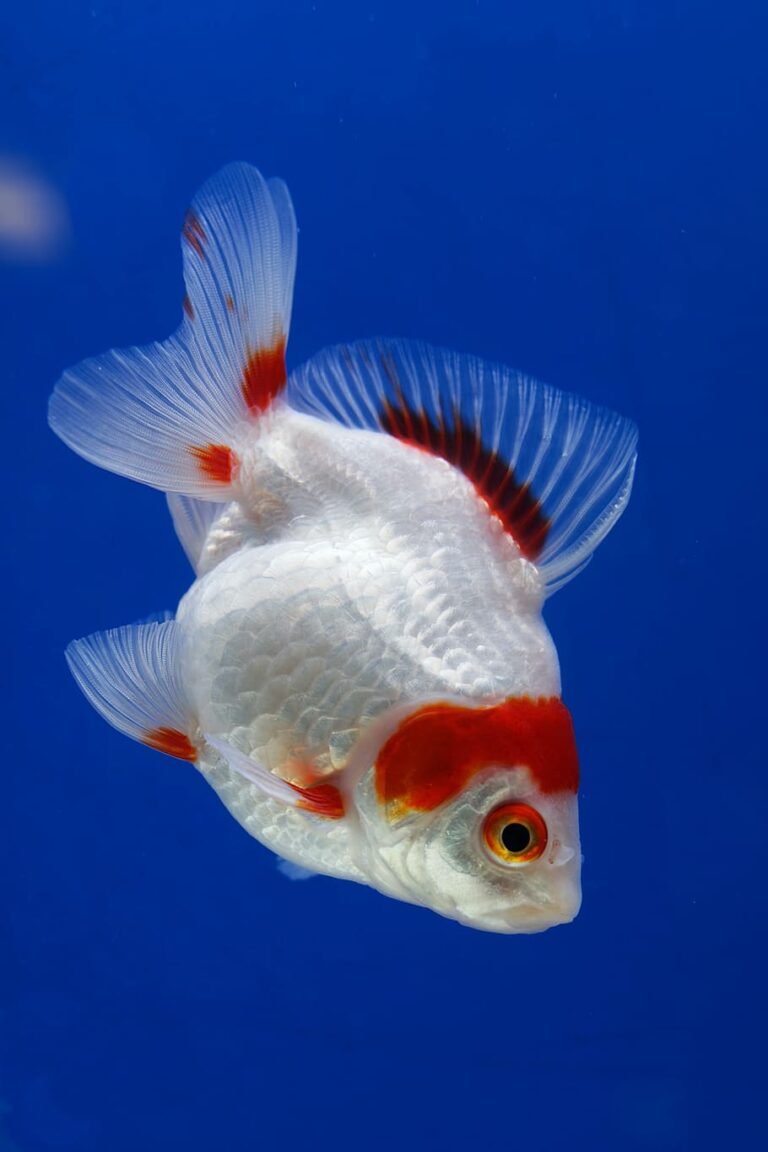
point(515, 833)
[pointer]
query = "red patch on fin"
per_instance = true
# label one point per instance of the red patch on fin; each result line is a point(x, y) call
point(194, 233)
point(229, 302)
point(322, 799)
point(217, 461)
point(460, 444)
point(188, 308)
point(436, 751)
point(172, 742)
point(264, 376)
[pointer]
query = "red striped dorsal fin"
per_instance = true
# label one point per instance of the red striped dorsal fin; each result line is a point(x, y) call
point(455, 440)
point(556, 470)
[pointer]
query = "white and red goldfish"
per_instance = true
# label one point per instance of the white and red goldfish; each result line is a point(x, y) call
point(360, 669)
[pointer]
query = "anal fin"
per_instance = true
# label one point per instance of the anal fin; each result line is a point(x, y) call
point(193, 520)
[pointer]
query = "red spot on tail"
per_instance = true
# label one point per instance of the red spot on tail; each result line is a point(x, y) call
point(264, 376)
point(188, 308)
point(172, 742)
point(460, 444)
point(436, 751)
point(194, 233)
point(217, 461)
point(322, 800)
point(229, 302)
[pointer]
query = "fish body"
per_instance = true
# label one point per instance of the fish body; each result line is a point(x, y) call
point(360, 669)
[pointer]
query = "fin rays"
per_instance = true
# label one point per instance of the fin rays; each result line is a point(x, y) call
point(168, 414)
point(556, 470)
point(132, 677)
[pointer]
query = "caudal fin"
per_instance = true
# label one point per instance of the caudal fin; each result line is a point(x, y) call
point(168, 414)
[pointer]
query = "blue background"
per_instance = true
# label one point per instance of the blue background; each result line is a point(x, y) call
point(579, 189)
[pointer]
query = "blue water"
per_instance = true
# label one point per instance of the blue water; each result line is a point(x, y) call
point(578, 189)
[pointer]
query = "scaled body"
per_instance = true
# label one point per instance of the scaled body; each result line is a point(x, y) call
point(360, 669)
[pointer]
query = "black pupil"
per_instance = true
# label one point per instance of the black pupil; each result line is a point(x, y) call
point(515, 838)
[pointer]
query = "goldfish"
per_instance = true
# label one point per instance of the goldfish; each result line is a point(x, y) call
point(360, 668)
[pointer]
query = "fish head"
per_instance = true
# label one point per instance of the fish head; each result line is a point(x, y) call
point(472, 812)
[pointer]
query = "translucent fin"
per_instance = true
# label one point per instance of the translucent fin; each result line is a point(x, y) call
point(132, 677)
point(321, 800)
point(254, 773)
point(167, 414)
point(161, 616)
point(295, 871)
point(193, 520)
point(556, 470)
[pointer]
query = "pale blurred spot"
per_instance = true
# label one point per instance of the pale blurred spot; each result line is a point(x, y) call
point(34, 221)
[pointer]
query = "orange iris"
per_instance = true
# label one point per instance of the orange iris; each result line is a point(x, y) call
point(515, 833)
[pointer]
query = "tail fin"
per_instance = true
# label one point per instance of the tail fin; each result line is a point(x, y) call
point(167, 414)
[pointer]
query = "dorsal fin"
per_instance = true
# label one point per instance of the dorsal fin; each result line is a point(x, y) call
point(167, 414)
point(556, 470)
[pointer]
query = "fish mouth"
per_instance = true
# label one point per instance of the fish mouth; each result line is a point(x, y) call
point(524, 920)
point(532, 918)
point(524, 917)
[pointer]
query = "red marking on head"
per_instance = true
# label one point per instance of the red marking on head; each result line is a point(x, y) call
point(217, 461)
point(436, 752)
point(188, 308)
point(172, 742)
point(194, 233)
point(460, 444)
point(229, 302)
point(321, 799)
point(264, 376)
